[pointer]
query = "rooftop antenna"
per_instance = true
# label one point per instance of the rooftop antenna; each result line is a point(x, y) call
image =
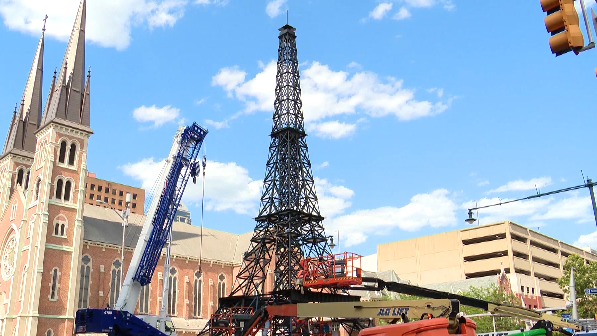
point(537, 190)
point(583, 177)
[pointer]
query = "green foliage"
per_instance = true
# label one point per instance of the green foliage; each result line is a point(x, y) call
point(585, 276)
point(494, 294)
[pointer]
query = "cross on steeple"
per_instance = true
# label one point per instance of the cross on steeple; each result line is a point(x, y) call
point(45, 19)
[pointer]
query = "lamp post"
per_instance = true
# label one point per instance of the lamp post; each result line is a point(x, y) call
point(125, 221)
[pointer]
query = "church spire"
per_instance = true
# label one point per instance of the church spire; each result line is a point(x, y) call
point(27, 118)
point(66, 100)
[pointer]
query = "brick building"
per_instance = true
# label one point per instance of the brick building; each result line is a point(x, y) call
point(110, 194)
point(59, 254)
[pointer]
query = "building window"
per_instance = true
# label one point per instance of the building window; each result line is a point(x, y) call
point(120, 202)
point(60, 226)
point(113, 191)
point(84, 282)
point(27, 180)
point(173, 280)
point(99, 197)
point(107, 190)
point(197, 287)
point(20, 175)
point(144, 300)
point(115, 282)
point(221, 285)
point(533, 290)
point(113, 201)
point(90, 196)
point(23, 282)
point(92, 186)
point(105, 199)
point(99, 188)
point(134, 196)
point(134, 205)
point(54, 284)
point(37, 186)
point(49, 332)
point(62, 190)
point(58, 188)
point(71, 154)
point(62, 153)
point(120, 193)
point(522, 289)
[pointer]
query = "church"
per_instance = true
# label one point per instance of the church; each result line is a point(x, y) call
point(59, 254)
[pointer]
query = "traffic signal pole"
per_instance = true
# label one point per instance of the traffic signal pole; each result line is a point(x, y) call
point(591, 44)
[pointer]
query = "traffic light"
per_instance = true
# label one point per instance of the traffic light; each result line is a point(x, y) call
point(562, 22)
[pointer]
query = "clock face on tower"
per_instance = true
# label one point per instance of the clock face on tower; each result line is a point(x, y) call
point(9, 257)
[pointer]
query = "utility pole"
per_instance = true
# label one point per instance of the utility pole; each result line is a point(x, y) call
point(573, 295)
point(125, 223)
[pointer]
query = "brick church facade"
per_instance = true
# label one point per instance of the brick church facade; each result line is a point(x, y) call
point(59, 254)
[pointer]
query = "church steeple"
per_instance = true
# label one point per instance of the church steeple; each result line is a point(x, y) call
point(67, 99)
point(26, 120)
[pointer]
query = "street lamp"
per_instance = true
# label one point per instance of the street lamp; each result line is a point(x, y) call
point(332, 245)
point(470, 219)
point(125, 221)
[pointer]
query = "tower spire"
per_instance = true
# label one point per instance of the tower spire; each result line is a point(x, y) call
point(66, 100)
point(28, 116)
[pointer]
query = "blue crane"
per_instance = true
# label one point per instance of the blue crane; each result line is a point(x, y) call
point(180, 165)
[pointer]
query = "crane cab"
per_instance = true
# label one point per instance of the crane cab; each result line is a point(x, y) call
point(335, 270)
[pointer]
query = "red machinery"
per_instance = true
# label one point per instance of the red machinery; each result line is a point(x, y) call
point(334, 270)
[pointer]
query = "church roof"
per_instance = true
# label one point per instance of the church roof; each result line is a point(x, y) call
point(103, 225)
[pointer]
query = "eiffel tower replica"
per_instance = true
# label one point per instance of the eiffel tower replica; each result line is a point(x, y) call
point(289, 225)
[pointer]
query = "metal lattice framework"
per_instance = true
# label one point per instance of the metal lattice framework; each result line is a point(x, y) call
point(289, 223)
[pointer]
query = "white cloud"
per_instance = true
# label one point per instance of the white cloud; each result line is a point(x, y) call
point(354, 65)
point(588, 240)
point(212, 2)
point(575, 207)
point(520, 185)
point(229, 78)
point(200, 101)
point(217, 124)
point(321, 166)
point(109, 22)
point(157, 115)
point(402, 14)
point(380, 10)
point(328, 94)
point(333, 199)
point(227, 185)
point(273, 8)
point(433, 209)
point(447, 4)
point(482, 183)
point(332, 129)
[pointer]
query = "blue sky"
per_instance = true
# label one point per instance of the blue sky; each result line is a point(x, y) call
point(415, 109)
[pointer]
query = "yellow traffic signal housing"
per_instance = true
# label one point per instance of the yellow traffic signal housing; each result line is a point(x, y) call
point(563, 24)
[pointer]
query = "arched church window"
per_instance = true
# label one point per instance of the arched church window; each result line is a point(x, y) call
point(62, 153)
point(84, 281)
point(173, 279)
point(197, 287)
point(20, 174)
point(27, 180)
point(59, 185)
point(115, 282)
point(71, 154)
point(67, 188)
point(221, 285)
point(54, 284)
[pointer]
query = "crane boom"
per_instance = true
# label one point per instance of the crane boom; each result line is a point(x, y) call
point(179, 166)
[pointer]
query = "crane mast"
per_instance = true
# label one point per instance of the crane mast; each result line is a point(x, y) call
point(180, 164)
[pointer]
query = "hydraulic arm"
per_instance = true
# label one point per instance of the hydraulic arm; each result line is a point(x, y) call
point(180, 165)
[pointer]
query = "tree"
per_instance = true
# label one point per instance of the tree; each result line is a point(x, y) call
point(585, 276)
point(495, 294)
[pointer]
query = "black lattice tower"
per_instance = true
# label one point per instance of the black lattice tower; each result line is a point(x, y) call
point(289, 223)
